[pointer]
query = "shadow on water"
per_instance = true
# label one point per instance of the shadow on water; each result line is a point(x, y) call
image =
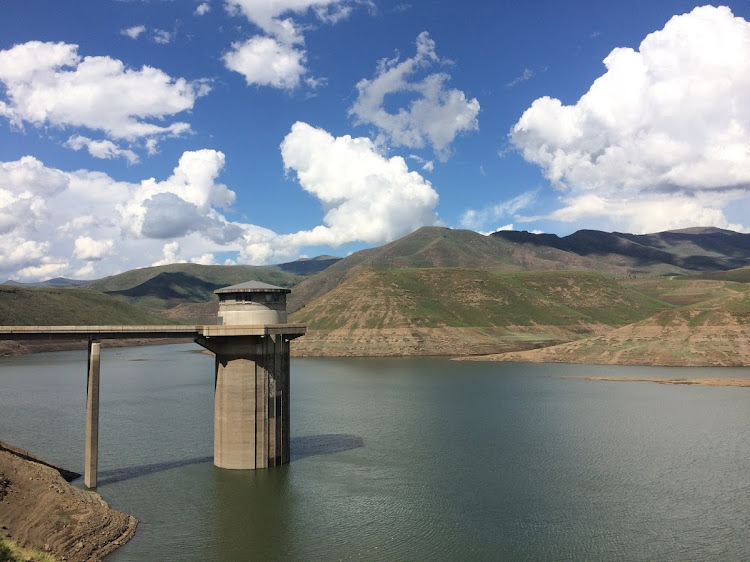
point(129, 472)
point(326, 444)
point(302, 447)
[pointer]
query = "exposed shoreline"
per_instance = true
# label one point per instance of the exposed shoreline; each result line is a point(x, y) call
point(705, 381)
point(41, 511)
point(561, 353)
point(10, 348)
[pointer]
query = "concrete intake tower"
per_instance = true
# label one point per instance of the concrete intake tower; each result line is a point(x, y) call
point(251, 401)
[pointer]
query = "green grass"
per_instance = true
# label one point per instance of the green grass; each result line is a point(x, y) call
point(741, 275)
point(67, 307)
point(219, 275)
point(11, 552)
point(164, 287)
point(457, 297)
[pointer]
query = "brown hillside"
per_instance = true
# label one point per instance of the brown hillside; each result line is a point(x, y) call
point(712, 333)
point(463, 311)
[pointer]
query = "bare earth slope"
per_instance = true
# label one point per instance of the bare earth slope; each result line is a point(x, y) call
point(40, 510)
point(713, 332)
point(454, 311)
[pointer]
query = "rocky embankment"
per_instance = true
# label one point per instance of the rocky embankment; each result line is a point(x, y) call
point(41, 511)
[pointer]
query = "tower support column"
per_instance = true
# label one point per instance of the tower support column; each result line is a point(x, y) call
point(251, 400)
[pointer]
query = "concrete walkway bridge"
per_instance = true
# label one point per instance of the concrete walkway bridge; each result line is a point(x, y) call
point(251, 377)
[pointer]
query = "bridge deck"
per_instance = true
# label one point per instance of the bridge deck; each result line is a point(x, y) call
point(146, 332)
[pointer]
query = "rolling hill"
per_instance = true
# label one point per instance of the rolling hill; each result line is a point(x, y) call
point(623, 255)
point(48, 306)
point(162, 288)
point(21, 306)
point(222, 275)
point(453, 311)
point(715, 332)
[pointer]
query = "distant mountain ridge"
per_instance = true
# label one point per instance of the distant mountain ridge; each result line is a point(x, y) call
point(55, 282)
point(680, 252)
point(693, 249)
point(439, 290)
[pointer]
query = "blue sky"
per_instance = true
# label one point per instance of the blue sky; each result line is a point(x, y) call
point(138, 132)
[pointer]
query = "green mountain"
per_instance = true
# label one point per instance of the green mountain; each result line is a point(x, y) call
point(694, 249)
point(447, 311)
point(20, 306)
point(221, 275)
point(623, 255)
point(55, 282)
point(167, 290)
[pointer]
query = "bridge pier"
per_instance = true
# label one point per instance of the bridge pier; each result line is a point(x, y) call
point(251, 400)
point(91, 462)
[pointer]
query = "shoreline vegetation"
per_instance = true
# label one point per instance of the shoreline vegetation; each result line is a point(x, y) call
point(43, 517)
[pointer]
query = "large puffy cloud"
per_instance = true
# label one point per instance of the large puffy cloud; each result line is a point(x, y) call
point(435, 117)
point(25, 187)
point(661, 139)
point(84, 223)
point(88, 249)
point(278, 59)
point(264, 61)
point(365, 196)
point(184, 203)
point(50, 84)
point(87, 224)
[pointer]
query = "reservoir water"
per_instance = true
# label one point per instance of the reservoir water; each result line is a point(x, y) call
point(406, 459)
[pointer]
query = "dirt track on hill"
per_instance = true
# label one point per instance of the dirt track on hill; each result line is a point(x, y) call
point(40, 510)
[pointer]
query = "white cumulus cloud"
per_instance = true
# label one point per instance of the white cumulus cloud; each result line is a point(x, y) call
point(164, 37)
point(266, 14)
point(264, 61)
point(435, 116)
point(184, 203)
point(662, 138)
point(205, 259)
point(133, 32)
point(51, 84)
point(86, 224)
point(365, 196)
point(25, 187)
point(277, 58)
point(105, 149)
point(88, 249)
point(202, 9)
point(170, 254)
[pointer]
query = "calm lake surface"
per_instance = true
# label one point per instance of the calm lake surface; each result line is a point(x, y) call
point(406, 459)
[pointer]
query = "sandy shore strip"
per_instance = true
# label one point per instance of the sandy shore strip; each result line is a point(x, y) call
point(718, 381)
point(40, 510)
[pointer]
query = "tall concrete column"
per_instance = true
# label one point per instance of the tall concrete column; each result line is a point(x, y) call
point(251, 401)
point(91, 463)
